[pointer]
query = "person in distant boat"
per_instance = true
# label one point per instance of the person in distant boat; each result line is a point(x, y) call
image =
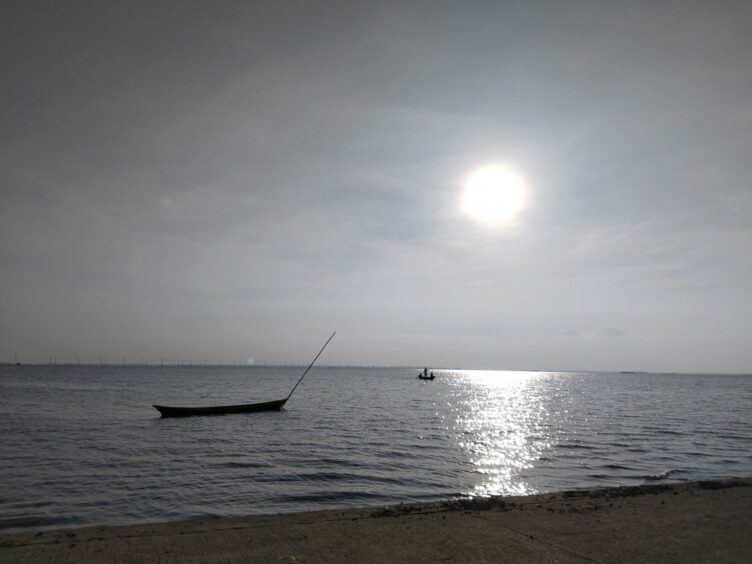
point(431, 375)
point(425, 371)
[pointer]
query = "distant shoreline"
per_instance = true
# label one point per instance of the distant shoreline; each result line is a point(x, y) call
point(688, 522)
point(154, 364)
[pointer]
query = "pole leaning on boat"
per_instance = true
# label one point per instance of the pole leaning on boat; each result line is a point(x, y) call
point(310, 365)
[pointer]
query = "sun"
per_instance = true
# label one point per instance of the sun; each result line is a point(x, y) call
point(493, 195)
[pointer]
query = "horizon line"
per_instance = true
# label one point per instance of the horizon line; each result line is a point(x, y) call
point(346, 365)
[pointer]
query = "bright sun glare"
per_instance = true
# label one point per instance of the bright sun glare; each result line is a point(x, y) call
point(493, 195)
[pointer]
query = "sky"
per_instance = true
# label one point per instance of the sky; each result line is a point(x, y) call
point(220, 181)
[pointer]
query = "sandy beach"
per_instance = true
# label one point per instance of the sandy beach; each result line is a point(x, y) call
point(708, 521)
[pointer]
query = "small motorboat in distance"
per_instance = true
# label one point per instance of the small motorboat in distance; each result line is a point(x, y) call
point(423, 375)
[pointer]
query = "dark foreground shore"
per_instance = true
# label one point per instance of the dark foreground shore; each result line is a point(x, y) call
point(707, 521)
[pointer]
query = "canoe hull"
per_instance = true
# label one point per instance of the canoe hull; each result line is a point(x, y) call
point(167, 411)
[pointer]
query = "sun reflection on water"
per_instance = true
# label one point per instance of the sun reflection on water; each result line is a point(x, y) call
point(499, 424)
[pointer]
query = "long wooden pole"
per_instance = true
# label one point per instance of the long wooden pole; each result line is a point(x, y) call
point(309, 366)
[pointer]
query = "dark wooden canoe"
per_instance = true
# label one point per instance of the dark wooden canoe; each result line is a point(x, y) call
point(275, 405)
point(167, 411)
point(425, 377)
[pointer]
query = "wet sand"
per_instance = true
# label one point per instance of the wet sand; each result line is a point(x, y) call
point(707, 521)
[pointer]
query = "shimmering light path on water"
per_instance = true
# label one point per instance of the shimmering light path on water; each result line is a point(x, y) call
point(82, 445)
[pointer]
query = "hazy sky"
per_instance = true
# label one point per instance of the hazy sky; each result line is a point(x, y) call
point(213, 181)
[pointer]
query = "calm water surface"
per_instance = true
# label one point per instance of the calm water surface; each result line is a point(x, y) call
point(83, 446)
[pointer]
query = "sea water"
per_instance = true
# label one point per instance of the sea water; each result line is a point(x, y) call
point(81, 445)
